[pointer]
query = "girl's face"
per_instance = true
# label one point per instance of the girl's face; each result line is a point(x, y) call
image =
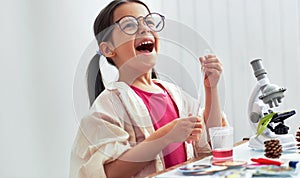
point(131, 47)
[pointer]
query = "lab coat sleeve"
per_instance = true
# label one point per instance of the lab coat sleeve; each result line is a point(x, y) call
point(101, 139)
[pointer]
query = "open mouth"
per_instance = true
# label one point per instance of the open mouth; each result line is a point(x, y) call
point(145, 47)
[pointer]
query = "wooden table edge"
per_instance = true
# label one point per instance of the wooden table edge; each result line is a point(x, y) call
point(191, 160)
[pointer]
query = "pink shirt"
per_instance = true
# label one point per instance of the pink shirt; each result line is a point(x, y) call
point(163, 110)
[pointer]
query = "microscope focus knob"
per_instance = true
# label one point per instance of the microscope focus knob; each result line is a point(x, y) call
point(255, 117)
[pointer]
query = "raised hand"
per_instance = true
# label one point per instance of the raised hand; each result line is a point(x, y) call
point(212, 69)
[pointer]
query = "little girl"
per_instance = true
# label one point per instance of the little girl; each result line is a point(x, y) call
point(139, 124)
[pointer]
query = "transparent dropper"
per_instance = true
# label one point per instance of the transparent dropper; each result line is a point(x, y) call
point(200, 89)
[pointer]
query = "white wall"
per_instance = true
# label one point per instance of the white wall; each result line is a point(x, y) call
point(42, 42)
point(239, 31)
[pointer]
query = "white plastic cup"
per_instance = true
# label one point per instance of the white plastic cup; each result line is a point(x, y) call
point(222, 143)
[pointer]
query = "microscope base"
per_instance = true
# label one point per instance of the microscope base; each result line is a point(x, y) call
point(287, 141)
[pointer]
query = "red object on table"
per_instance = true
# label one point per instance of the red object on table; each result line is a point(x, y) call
point(266, 161)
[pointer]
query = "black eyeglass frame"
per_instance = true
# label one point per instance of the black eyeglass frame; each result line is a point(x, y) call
point(144, 19)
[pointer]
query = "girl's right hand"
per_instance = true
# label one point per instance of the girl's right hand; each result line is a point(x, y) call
point(183, 129)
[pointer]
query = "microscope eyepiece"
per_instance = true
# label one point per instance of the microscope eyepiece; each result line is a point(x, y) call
point(271, 94)
point(258, 69)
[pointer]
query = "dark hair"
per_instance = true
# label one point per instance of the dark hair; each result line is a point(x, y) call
point(102, 33)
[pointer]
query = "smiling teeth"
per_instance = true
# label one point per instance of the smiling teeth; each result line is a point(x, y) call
point(146, 42)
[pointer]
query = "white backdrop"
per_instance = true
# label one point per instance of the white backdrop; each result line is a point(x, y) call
point(239, 31)
point(42, 42)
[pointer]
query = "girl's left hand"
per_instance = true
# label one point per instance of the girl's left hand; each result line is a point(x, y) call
point(212, 69)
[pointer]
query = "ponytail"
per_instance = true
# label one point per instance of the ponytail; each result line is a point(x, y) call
point(99, 85)
point(154, 74)
point(94, 79)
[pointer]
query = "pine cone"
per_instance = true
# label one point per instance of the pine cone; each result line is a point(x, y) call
point(272, 149)
point(298, 138)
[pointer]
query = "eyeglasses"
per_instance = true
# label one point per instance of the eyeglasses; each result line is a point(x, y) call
point(130, 24)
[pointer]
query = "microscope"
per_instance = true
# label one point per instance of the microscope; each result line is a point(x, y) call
point(265, 97)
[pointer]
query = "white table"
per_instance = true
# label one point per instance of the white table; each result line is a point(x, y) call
point(241, 152)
